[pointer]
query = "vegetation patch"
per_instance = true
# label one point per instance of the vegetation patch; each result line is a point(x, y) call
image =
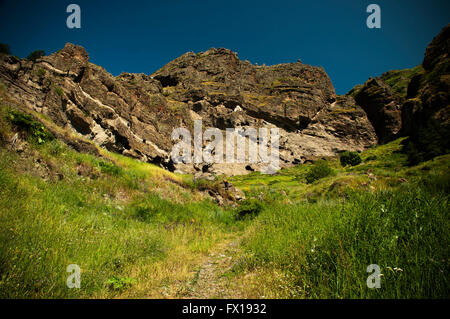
point(319, 170)
point(350, 158)
point(120, 283)
point(59, 90)
point(35, 129)
point(249, 208)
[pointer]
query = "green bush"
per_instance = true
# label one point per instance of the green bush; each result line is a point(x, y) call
point(40, 72)
point(4, 126)
point(249, 208)
point(59, 91)
point(319, 170)
point(120, 283)
point(35, 129)
point(109, 168)
point(4, 48)
point(33, 56)
point(350, 158)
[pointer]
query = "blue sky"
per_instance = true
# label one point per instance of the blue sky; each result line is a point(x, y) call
point(142, 36)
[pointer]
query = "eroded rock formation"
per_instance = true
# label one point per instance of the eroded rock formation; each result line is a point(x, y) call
point(134, 114)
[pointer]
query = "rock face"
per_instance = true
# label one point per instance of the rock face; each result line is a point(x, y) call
point(413, 102)
point(135, 114)
point(125, 114)
point(383, 107)
point(286, 95)
point(299, 99)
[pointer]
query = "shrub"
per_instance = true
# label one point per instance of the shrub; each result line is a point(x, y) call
point(120, 283)
point(35, 129)
point(59, 91)
point(40, 72)
point(350, 158)
point(33, 56)
point(56, 147)
point(4, 48)
point(319, 170)
point(109, 168)
point(249, 208)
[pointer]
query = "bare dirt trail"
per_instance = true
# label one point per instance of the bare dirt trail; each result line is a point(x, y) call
point(210, 279)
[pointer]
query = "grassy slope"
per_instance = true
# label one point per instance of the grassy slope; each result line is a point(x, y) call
point(398, 80)
point(125, 223)
point(379, 212)
point(138, 231)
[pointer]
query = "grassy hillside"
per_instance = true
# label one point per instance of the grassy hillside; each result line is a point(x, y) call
point(398, 80)
point(130, 226)
point(139, 231)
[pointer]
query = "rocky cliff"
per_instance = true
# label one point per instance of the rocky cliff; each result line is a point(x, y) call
point(134, 114)
point(426, 112)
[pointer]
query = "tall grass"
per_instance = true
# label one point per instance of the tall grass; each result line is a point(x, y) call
point(137, 230)
point(45, 225)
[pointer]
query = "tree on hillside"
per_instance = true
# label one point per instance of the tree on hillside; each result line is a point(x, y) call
point(4, 48)
point(33, 56)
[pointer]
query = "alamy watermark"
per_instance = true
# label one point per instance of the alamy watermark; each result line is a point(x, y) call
point(74, 19)
point(374, 280)
point(374, 19)
point(237, 150)
point(74, 280)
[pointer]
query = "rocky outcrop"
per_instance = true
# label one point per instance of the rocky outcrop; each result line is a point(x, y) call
point(426, 113)
point(134, 114)
point(299, 99)
point(286, 95)
point(413, 102)
point(125, 114)
point(383, 108)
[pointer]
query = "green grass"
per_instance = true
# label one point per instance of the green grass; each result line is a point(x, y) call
point(111, 221)
point(318, 239)
point(40, 72)
point(37, 132)
point(319, 170)
point(398, 80)
point(137, 230)
point(326, 246)
point(59, 91)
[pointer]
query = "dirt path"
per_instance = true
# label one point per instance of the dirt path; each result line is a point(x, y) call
point(210, 279)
